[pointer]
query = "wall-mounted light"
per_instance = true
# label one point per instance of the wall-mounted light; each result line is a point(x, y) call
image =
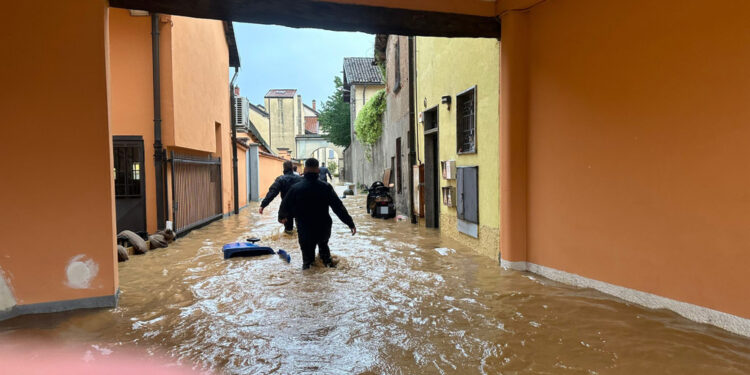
point(446, 100)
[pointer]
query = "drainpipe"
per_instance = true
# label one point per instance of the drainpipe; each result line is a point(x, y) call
point(232, 109)
point(412, 127)
point(159, 153)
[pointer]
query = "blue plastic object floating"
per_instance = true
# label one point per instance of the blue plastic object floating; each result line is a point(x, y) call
point(284, 255)
point(245, 249)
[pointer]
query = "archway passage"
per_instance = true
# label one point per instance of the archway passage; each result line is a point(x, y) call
point(436, 18)
point(307, 144)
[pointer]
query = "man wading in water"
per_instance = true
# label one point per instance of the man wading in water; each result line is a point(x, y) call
point(308, 202)
point(282, 185)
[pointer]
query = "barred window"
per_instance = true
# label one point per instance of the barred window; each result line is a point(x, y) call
point(466, 121)
point(128, 172)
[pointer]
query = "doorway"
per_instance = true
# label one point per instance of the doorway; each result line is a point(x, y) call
point(431, 169)
point(130, 183)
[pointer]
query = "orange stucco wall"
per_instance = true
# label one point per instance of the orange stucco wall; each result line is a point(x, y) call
point(638, 144)
point(131, 85)
point(200, 101)
point(269, 167)
point(242, 175)
point(194, 92)
point(59, 53)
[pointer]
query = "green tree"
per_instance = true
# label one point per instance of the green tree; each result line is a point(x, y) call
point(334, 116)
point(333, 167)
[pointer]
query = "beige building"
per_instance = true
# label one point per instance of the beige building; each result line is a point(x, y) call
point(284, 108)
point(362, 80)
point(259, 117)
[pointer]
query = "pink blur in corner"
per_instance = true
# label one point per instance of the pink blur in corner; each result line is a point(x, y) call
point(37, 359)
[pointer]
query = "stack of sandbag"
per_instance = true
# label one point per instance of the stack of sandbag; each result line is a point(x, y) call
point(139, 245)
point(168, 234)
point(157, 241)
point(161, 239)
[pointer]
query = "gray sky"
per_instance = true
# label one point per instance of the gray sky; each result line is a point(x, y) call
point(276, 57)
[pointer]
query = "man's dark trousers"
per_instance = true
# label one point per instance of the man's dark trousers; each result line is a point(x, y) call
point(307, 244)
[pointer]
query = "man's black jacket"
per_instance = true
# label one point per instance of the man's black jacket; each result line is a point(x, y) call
point(324, 174)
point(282, 185)
point(308, 202)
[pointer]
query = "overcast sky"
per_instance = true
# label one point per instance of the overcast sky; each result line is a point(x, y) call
point(276, 57)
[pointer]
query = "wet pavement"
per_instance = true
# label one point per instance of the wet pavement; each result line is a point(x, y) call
point(403, 300)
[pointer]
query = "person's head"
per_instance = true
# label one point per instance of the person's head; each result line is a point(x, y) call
point(323, 164)
point(288, 166)
point(312, 166)
point(295, 168)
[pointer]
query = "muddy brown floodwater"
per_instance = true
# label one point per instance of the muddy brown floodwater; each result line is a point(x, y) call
point(402, 301)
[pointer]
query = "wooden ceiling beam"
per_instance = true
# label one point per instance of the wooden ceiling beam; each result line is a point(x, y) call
point(326, 15)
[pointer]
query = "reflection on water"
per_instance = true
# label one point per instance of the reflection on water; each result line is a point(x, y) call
point(402, 301)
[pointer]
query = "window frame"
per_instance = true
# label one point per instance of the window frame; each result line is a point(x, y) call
point(459, 143)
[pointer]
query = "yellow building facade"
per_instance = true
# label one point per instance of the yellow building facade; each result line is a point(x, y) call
point(446, 69)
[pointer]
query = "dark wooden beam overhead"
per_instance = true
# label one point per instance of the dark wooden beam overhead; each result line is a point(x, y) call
point(324, 15)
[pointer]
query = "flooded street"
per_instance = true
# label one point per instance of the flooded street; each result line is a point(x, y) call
point(403, 300)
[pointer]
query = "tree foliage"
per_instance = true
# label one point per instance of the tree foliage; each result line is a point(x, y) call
point(335, 117)
point(369, 122)
point(333, 167)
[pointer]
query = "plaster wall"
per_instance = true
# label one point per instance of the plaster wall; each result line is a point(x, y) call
point(242, 175)
point(270, 168)
point(70, 192)
point(283, 123)
point(447, 67)
point(356, 164)
point(262, 124)
point(131, 87)
point(637, 143)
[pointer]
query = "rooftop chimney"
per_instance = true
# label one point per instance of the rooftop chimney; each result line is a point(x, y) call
point(314, 105)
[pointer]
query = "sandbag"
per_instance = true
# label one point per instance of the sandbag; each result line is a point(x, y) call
point(168, 234)
point(157, 241)
point(139, 245)
point(122, 254)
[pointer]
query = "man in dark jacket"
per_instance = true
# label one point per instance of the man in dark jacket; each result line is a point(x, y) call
point(282, 185)
point(308, 203)
point(324, 173)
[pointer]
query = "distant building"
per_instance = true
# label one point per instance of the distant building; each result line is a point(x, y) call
point(362, 79)
point(284, 108)
point(261, 121)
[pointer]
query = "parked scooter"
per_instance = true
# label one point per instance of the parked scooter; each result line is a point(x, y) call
point(379, 201)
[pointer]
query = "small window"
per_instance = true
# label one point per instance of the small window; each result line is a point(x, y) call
point(330, 154)
point(393, 169)
point(127, 162)
point(398, 165)
point(466, 121)
point(397, 72)
point(430, 119)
